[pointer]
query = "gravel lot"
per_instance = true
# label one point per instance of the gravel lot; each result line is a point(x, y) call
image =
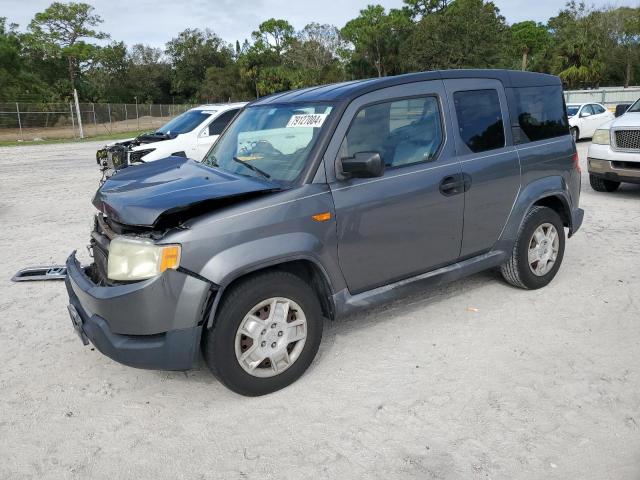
point(475, 380)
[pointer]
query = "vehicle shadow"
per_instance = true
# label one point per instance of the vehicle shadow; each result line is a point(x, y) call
point(350, 324)
point(627, 190)
point(405, 305)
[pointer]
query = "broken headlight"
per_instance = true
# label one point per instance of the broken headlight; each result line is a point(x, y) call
point(136, 155)
point(137, 259)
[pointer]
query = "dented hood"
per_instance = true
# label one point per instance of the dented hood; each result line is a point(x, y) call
point(139, 195)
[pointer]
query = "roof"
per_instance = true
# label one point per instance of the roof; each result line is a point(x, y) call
point(220, 106)
point(349, 90)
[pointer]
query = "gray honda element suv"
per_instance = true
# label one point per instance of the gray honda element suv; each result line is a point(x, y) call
point(317, 202)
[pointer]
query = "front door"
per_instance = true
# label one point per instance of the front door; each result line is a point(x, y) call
point(211, 132)
point(408, 221)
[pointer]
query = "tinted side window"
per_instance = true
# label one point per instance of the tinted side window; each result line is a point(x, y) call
point(588, 109)
point(480, 119)
point(598, 109)
point(403, 132)
point(218, 125)
point(541, 112)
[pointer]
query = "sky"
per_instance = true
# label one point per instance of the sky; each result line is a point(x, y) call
point(154, 22)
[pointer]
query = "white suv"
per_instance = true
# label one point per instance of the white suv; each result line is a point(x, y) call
point(190, 134)
point(585, 118)
point(614, 155)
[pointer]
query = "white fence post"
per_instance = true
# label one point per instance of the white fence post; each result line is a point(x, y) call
point(75, 97)
point(19, 122)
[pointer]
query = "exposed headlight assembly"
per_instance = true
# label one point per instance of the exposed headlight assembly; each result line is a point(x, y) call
point(136, 155)
point(601, 137)
point(136, 259)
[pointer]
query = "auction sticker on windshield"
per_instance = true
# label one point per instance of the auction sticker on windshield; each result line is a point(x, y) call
point(307, 120)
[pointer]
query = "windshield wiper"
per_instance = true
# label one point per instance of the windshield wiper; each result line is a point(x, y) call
point(252, 167)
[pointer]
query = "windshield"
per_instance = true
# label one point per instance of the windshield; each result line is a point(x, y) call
point(635, 107)
point(572, 110)
point(272, 142)
point(185, 123)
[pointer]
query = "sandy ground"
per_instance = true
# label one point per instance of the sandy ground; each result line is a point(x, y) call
point(532, 385)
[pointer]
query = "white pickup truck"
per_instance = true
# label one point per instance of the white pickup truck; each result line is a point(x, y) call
point(614, 154)
point(190, 134)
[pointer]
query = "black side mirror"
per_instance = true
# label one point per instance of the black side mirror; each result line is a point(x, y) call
point(363, 165)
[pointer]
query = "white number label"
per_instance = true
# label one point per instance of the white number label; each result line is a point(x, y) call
point(307, 120)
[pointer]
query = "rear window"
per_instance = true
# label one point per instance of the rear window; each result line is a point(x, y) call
point(540, 112)
point(479, 119)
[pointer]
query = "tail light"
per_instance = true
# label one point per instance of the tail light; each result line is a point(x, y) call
point(576, 162)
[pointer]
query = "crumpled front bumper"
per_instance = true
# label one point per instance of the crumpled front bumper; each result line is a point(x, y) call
point(154, 324)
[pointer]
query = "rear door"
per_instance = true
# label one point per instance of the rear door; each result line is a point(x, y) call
point(488, 159)
point(589, 121)
point(602, 115)
point(409, 220)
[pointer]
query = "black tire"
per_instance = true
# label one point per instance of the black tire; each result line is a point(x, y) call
point(219, 342)
point(516, 270)
point(575, 134)
point(600, 184)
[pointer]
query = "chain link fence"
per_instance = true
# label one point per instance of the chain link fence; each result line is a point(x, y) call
point(21, 121)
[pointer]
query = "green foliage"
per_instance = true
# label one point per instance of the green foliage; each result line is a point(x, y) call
point(59, 32)
point(63, 48)
point(190, 54)
point(375, 37)
point(465, 34)
point(528, 39)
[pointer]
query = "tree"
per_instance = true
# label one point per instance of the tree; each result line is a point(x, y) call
point(581, 42)
point(529, 38)
point(465, 34)
point(624, 28)
point(190, 54)
point(375, 38)
point(273, 34)
point(107, 75)
point(420, 8)
point(222, 84)
point(316, 51)
point(149, 76)
point(60, 30)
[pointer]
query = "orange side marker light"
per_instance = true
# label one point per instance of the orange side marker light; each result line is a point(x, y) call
point(322, 217)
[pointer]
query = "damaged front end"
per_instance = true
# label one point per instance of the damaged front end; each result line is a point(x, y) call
point(119, 155)
point(135, 302)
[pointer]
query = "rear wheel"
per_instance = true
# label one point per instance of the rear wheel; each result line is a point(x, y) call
point(600, 184)
point(538, 251)
point(267, 332)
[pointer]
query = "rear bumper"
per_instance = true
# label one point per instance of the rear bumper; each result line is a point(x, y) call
point(616, 171)
point(100, 314)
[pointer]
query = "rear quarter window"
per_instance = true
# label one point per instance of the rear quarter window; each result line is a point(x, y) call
point(540, 112)
point(479, 119)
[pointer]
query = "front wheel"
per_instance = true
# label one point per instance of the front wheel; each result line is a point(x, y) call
point(575, 134)
point(267, 332)
point(600, 184)
point(538, 250)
